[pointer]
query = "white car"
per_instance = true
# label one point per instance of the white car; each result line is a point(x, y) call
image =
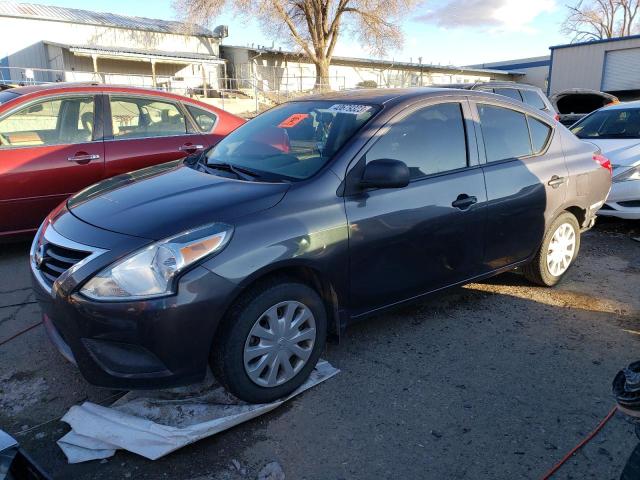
point(615, 129)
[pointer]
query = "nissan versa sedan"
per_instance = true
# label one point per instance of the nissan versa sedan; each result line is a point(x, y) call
point(616, 131)
point(57, 139)
point(311, 216)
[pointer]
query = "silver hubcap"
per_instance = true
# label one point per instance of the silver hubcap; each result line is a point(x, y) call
point(279, 344)
point(561, 249)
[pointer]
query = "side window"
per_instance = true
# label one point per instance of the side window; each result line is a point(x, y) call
point(540, 133)
point(53, 122)
point(145, 117)
point(204, 119)
point(431, 140)
point(508, 92)
point(505, 133)
point(531, 97)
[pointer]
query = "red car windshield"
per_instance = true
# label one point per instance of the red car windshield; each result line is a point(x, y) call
point(292, 141)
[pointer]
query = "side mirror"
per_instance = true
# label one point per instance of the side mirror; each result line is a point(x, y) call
point(385, 173)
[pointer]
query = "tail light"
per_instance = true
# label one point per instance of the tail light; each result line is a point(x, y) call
point(603, 161)
point(556, 117)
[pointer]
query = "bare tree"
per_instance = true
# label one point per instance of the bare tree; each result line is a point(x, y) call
point(600, 19)
point(314, 26)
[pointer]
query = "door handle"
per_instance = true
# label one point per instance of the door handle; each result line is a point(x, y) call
point(83, 158)
point(556, 181)
point(190, 148)
point(464, 201)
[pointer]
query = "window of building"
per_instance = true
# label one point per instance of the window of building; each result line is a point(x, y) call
point(431, 140)
point(505, 133)
point(145, 117)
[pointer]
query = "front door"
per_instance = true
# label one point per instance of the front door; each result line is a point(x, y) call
point(146, 131)
point(409, 241)
point(526, 178)
point(48, 151)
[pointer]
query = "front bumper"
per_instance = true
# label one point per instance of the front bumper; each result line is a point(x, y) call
point(623, 201)
point(145, 344)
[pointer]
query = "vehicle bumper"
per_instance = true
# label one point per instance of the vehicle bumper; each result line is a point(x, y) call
point(147, 344)
point(623, 201)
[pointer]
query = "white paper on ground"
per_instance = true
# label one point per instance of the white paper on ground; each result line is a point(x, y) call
point(153, 424)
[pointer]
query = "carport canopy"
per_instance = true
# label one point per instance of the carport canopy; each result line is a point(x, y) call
point(137, 55)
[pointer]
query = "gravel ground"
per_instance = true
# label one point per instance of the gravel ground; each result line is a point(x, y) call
point(498, 379)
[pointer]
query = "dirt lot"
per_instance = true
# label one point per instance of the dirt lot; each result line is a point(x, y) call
point(495, 380)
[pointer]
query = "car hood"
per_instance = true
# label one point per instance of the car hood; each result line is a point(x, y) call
point(621, 152)
point(161, 201)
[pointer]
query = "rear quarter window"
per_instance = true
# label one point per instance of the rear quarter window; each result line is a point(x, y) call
point(205, 119)
point(540, 133)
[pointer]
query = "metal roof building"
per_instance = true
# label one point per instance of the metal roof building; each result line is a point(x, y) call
point(40, 43)
point(279, 70)
point(103, 19)
point(535, 70)
point(611, 65)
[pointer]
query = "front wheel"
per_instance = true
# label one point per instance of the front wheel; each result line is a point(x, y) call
point(558, 251)
point(270, 341)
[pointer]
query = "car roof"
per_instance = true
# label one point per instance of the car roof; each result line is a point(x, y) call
point(380, 96)
point(35, 91)
point(496, 83)
point(50, 86)
point(87, 87)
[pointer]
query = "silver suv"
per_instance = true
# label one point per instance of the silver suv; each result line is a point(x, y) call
point(522, 92)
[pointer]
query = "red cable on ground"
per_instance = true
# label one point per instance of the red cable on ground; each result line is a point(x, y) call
point(588, 438)
point(20, 333)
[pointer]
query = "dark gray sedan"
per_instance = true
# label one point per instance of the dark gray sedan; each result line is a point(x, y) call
point(313, 215)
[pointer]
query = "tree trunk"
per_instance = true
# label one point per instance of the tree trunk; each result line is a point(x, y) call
point(322, 75)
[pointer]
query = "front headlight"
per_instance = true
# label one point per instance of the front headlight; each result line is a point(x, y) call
point(150, 272)
point(631, 174)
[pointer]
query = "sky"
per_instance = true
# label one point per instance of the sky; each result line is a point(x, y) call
point(447, 32)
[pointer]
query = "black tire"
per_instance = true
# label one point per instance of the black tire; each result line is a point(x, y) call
point(227, 355)
point(537, 271)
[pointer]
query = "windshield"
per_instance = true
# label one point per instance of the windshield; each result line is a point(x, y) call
point(292, 141)
point(611, 123)
point(7, 95)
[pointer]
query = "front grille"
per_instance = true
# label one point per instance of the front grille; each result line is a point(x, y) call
point(630, 203)
point(57, 259)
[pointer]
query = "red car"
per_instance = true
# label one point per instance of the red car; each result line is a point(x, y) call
point(58, 139)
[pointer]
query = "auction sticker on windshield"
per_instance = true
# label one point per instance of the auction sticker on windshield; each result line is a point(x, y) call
point(293, 120)
point(351, 108)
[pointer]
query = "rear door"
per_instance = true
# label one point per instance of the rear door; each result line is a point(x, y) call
point(408, 241)
point(526, 178)
point(49, 149)
point(143, 130)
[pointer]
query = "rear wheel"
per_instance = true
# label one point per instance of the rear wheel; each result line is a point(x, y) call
point(270, 341)
point(558, 251)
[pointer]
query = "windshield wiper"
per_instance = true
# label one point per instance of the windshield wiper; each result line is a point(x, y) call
point(241, 172)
